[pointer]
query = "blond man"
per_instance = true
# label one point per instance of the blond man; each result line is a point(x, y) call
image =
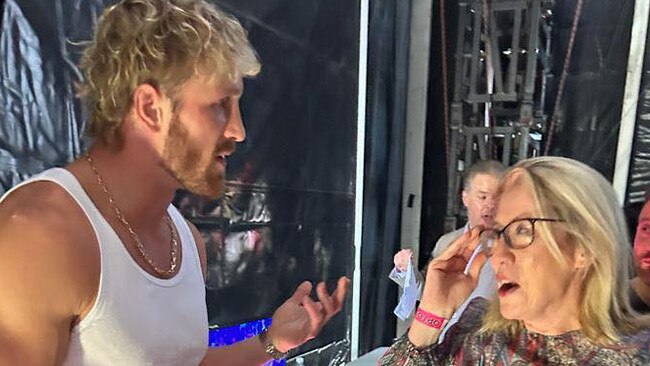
point(98, 268)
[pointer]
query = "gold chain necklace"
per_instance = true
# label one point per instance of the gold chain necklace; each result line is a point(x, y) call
point(134, 236)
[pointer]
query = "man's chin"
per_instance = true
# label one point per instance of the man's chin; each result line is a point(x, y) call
point(211, 189)
point(208, 192)
point(643, 274)
point(486, 222)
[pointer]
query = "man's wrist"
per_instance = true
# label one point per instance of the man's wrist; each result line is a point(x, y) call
point(269, 347)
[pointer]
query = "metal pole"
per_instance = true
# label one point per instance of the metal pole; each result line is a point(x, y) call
point(358, 188)
point(630, 98)
point(416, 116)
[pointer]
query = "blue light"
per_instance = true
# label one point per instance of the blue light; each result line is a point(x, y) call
point(225, 336)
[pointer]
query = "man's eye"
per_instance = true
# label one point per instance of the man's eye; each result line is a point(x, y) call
point(222, 103)
point(643, 229)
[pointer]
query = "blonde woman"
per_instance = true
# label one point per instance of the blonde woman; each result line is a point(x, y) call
point(560, 252)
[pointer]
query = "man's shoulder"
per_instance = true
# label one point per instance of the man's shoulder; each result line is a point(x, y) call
point(36, 205)
point(444, 241)
point(451, 236)
point(41, 217)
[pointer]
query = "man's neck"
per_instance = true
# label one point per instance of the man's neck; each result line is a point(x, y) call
point(642, 289)
point(140, 187)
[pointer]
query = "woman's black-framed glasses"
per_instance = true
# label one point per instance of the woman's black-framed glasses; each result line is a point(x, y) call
point(518, 234)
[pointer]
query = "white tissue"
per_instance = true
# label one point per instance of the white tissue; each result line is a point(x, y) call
point(406, 304)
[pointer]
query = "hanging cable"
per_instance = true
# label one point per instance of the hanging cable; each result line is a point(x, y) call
point(445, 91)
point(565, 73)
point(489, 78)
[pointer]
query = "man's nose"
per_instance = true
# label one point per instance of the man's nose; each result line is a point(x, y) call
point(490, 203)
point(235, 129)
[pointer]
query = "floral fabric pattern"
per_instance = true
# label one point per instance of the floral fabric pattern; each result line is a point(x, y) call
point(464, 346)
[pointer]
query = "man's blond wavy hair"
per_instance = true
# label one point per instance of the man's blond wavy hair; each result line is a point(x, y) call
point(569, 190)
point(163, 43)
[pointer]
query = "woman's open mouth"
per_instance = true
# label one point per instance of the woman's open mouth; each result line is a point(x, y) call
point(507, 288)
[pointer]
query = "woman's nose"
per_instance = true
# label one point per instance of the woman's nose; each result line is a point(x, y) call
point(499, 252)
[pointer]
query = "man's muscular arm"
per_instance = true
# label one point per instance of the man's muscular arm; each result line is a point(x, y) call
point(41, 279)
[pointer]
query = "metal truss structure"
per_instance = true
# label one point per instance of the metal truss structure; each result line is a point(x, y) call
point(502, 64)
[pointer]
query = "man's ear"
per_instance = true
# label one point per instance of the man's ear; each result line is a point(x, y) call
point(147, 105)
point(465, 196)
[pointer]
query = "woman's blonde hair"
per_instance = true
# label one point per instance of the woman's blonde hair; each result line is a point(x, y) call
point(569, 190)
point(160, 42)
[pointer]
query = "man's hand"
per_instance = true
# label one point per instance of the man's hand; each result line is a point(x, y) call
point(402, 258)
point(300, 318)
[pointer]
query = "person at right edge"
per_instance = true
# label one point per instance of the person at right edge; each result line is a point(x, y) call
point(640, 284)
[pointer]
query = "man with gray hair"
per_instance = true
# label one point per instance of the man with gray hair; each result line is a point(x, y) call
point(479, 187)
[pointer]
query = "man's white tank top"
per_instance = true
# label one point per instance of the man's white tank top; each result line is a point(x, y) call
point(137, 319)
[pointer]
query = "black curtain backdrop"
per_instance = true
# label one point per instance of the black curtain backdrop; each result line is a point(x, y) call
point(386, 113)
point(288, 214)
point(593, 96)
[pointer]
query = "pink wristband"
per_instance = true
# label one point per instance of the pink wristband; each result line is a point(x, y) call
point(429, 319)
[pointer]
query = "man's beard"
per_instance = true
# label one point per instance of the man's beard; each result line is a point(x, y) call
point(185, 162)
point(642, 273)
